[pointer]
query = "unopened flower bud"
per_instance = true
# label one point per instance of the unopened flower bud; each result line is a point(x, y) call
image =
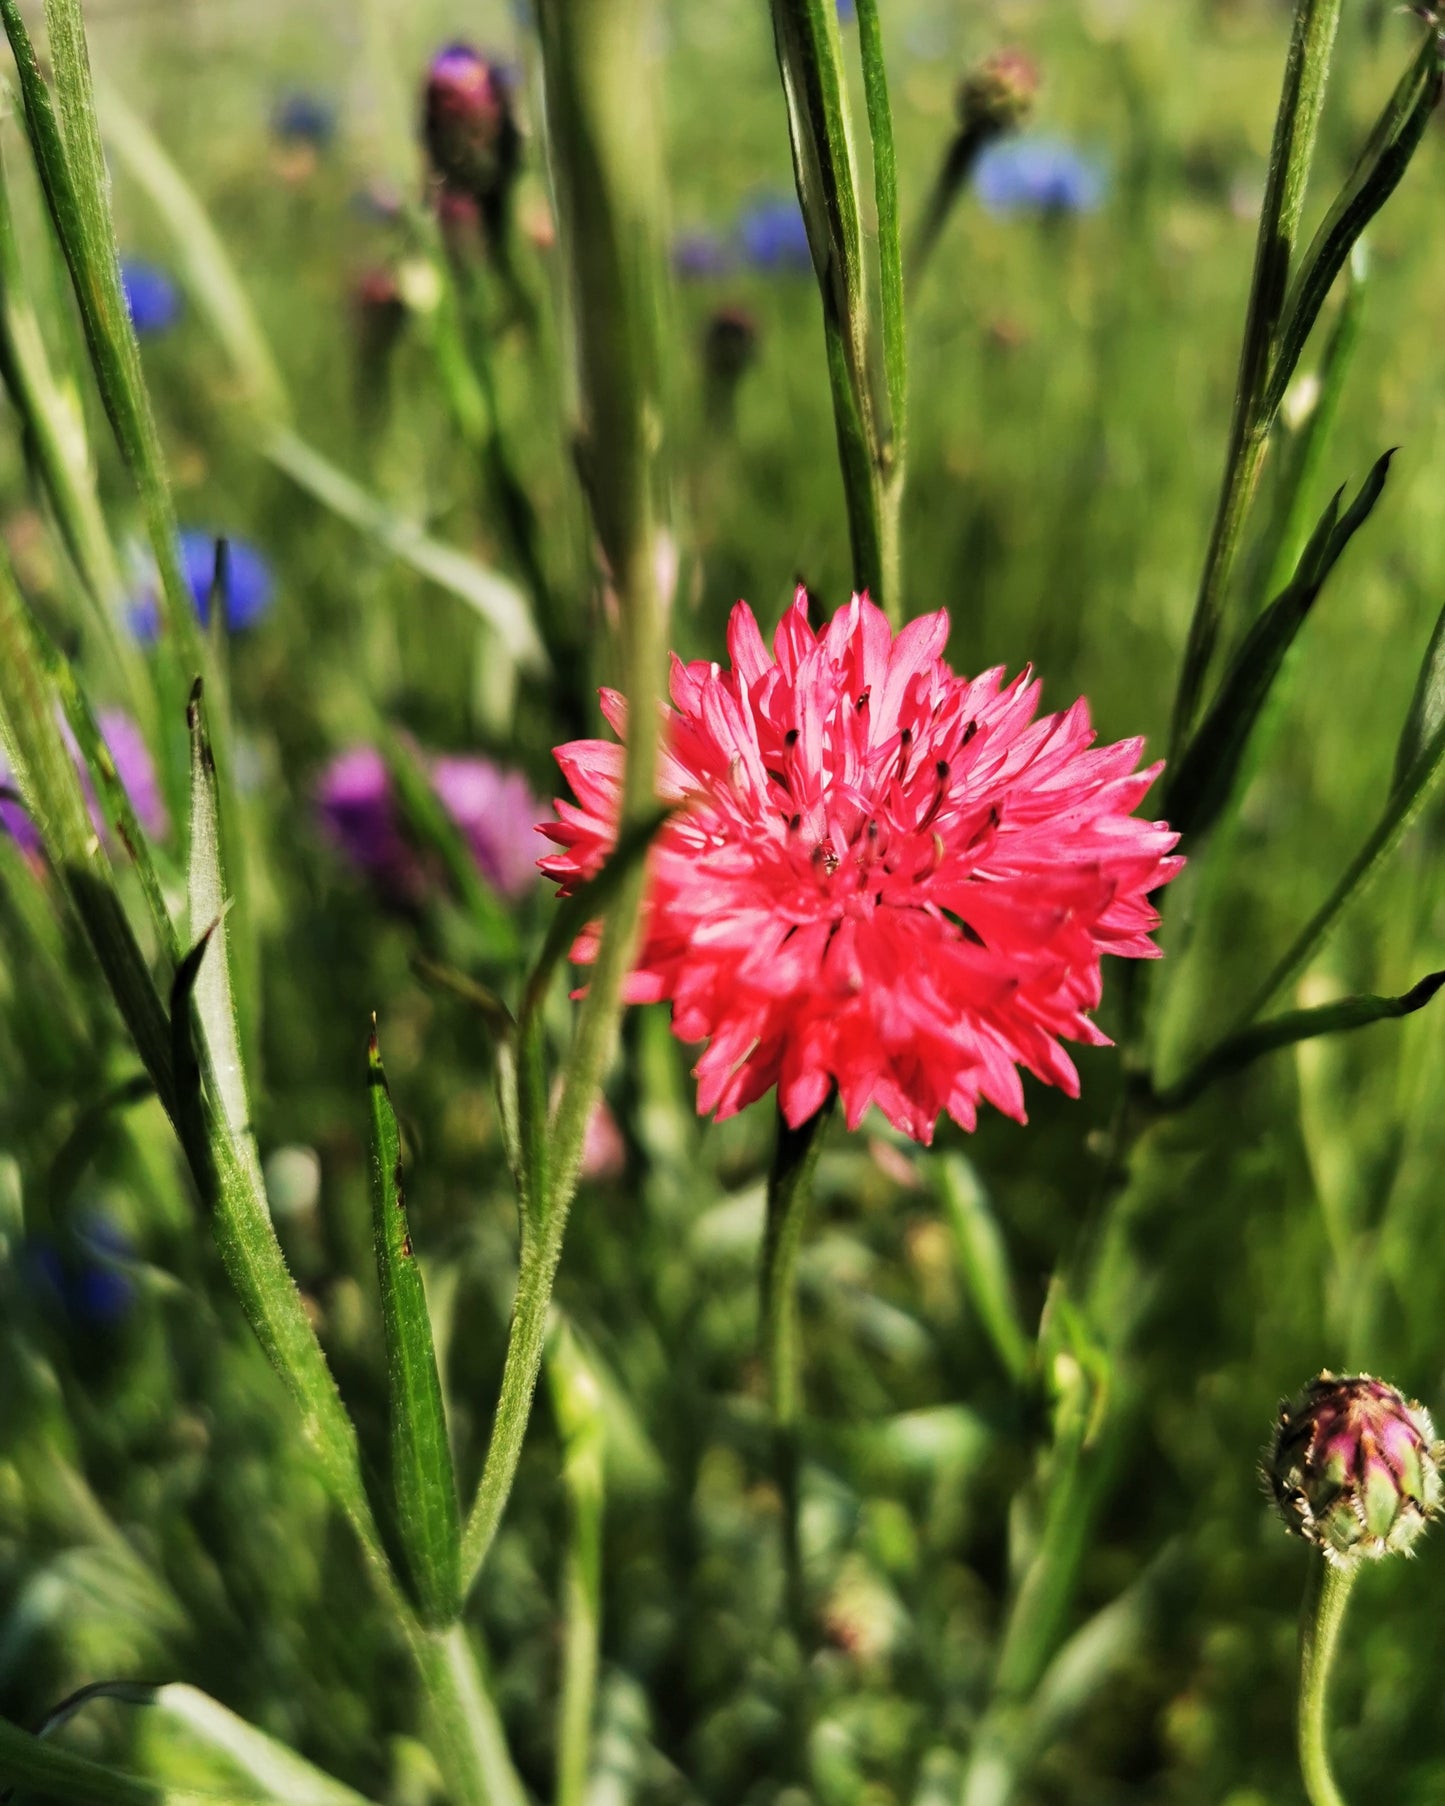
point(730, 344)
point(1355, 1467)
point(470, 126)
point(997, 95)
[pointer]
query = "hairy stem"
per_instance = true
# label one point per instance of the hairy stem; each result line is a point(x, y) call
point(1327, 1592)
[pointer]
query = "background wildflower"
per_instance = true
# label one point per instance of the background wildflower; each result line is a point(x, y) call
point(881, 877)
point(1038, 175)
point(151, 295)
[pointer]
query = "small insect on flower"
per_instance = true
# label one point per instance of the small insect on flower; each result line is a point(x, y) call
point(151, 296)
point(1354, 1467)
point(880, 876)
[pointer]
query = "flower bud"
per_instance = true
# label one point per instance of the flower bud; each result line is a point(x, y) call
point(469, 125)
point(1355, 1467)
point(730, 344)
point(997, 95)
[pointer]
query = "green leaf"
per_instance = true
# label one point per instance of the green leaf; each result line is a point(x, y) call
point(495, 599)
point(46, 775)
point(1237, 1051)
point(57, 1774)
point(115, 803)
point(1375, 177)
point(66, 146)
point(209, 901)
point(178, 1721)
point(1201, 783)
point(983, 1262)
point(1406, 800)
point(423, 1481)
point(1426, 714)
point(890, 232)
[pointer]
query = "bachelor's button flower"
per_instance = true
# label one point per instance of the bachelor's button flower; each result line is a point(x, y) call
point(774, 237)
point(85, 1277)
point(151, 296)
point(1355, 1467)
point(133, 766)
point(497, 813)
point(880, 876)
point(1037, 175)
point(469, 124)
point(358, 812)
point(250, 585)
point(301, 117)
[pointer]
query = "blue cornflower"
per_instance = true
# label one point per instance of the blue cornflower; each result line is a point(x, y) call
point(1037, 175)
point(86, 1277)
point(250, 584)
point(299, 117)
point(151, 295)
point(847, 11)
point(773, 235)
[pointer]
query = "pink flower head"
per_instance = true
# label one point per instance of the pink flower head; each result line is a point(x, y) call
point(882, 877)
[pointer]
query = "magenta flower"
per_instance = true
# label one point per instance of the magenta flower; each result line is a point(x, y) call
point(881, 877)
point(493, 808)
point(133, 766)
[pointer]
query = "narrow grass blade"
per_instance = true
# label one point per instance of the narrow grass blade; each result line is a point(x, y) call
point(1203, 780)
point(1404, 804)
point(1296, 128)
point(1240, 1050)
point(48, 781)
point(577, 1404)
point(181, 1720)
point(423, 1481)
point(496, 600)
point(116, 806)
point(1375, 177)
point(983, 1262)
point(66, 145)
point(57, 1774)
point(209, 901)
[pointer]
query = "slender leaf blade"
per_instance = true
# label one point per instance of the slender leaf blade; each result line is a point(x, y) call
point(1238, 1051)
point(423, 1479)
point(1201, 783)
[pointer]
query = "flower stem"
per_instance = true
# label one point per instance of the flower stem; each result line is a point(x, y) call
point(789, 1184)
point(1327, 1592)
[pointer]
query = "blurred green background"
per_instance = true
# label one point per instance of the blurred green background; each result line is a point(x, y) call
point(1071, 380)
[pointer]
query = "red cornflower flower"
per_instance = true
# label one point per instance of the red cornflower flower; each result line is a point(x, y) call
point(882, 876)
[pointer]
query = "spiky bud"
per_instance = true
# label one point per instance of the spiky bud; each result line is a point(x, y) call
point(1355, 1467)
point(730, 344)
point(470, 125)
point(997, 95)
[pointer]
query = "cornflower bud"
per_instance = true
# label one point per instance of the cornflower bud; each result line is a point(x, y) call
point(470, 127)
point(729, 350)
point(1355, 1467)
point(997, 95)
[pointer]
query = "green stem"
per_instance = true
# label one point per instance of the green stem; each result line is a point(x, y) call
point(467, 1737)
point(789, 1187)
point(1292, 152)
point(1327, 1592)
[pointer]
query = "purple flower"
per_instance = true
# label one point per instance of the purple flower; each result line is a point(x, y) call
point(1038, 175)
point(774, 237)
point(84, 1277)
point(497, 813)
point(134, 768)
point(151, 296)
point(359, 816)
point(494, 809)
